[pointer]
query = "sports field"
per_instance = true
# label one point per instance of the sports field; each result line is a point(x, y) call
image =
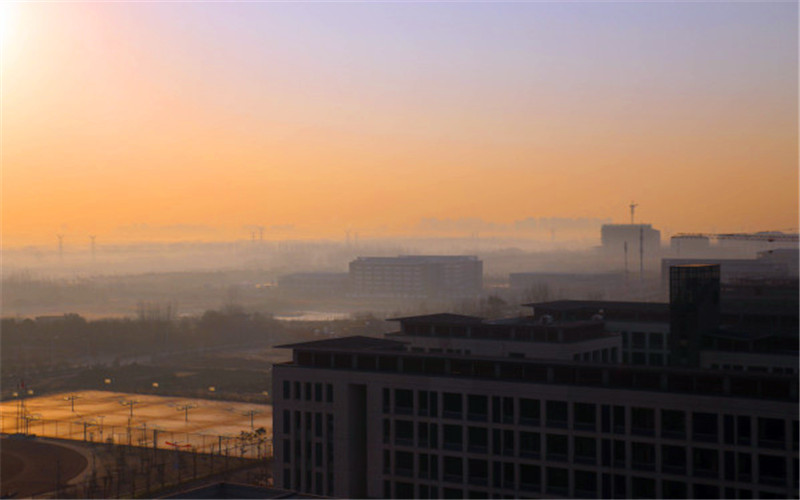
point(141, 420)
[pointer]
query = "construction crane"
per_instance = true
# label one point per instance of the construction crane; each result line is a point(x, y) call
point(768, 236)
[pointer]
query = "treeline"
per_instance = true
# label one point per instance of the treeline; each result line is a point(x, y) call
point(72, 340)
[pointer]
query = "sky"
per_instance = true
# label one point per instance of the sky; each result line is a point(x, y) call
point(199, 120)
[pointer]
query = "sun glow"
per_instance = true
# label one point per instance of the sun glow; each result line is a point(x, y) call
point(8, 13)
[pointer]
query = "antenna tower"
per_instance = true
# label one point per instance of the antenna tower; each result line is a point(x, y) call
point(633, 209)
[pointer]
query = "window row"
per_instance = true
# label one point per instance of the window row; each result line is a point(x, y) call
point(705, 462)
point(585, 486)
point(674, 424)
point(312, 423)
point(315, 482)
point(307, 391)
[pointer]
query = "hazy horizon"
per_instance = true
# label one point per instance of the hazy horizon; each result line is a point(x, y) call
point(198, 121)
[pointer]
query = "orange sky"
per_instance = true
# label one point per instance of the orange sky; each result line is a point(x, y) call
point(222, 116)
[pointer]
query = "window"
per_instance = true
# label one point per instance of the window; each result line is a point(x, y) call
point(643, 421)
point(585, 450)
point(706, 491)
point(529, 444)
point(308, 395)
point(477, 408)
point(318, 392)
point(557, 481)
point(585, 484)
point(743, 431)
point(508, 476)
point(771, 433)
point(529, 478)
point(556, 414)
point(453, 469)
point(620, 486)
point(452, 437)
point(643, 456)
point(673, 489)
point(619, 419)
point(404, 432)
point(287, 451)
point(404, 464)
point(452, 405)
point(297, 394)
point(477, 439)
point(287, 390)
point(318, 425)
point(387, 401)
point(673, 424)
point(728, 431)
point(584, 416)
point(529, 411)
point(329, 393)
point(706, 462)
point(318, 455)
point(556, 447)
point(403, 490)
point(619, 453)
point(673, 459)
point(771, 470)
point(422, 403)
point(704, 427)
point(287, 421)
point(643, 487)
point(478, 472)
point(403, 401)
point(656, 340)
point(744, 466)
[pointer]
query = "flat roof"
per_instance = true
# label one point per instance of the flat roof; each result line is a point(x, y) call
point(686, 380)
point(355, 343)
point(570, 305)
point(439, 318)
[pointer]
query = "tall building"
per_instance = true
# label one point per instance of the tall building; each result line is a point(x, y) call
point(417, 276)
point(694, 310)
point(614, 237)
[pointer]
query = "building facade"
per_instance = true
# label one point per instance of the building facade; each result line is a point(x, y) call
point(417, 276)
point(363, 417)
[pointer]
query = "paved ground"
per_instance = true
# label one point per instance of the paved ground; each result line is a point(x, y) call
point(100, 416)
point(29, 467)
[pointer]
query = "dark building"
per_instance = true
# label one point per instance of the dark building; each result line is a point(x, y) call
point(694, 310)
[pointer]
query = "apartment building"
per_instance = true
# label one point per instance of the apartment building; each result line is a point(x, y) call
point(417, 276)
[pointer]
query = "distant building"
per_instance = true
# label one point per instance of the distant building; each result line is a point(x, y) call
point(417, 276)
point(614, 237)
point(688, 244)
point(773, 264)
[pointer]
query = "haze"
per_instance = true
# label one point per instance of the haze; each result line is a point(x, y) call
point(316, 118)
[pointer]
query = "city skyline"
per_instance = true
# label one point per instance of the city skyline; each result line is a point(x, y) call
point(321, 117)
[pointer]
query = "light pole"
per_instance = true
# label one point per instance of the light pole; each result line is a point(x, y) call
point(71, 398)
point(185, 408)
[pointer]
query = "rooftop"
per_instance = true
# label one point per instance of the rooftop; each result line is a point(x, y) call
point(751, 385)
point(355, 343)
